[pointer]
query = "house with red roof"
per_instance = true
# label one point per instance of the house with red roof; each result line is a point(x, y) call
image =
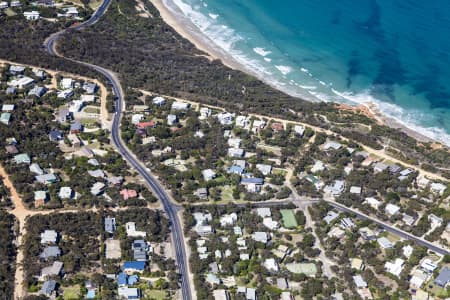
point(127, 194)
point(144, 125)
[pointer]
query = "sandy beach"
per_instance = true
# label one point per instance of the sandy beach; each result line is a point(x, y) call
point(173, 17)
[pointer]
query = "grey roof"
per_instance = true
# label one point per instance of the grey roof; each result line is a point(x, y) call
point(46, 178)
point(50, 251)
point(75, 126)
point(110, 224)
point(37, 91)
point(48, 287)
point(252, 180)
point(443, 277)
point(52, 270)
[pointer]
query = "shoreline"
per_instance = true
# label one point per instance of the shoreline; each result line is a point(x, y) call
point(187, 30)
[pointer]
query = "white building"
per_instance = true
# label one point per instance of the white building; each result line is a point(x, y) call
point(171, 119)
point(299, 129)
point(395, 267)
point(318, 166)
point(264, 169)
point(178, 105)
point(438, 188)
point(131, 230)
point(65, 192)
point(67, 83)
point(226, 118)
point(243, 121)
point(159, 101)
point(373, 202)
point(271, 265)
point(205, 113)
point(228, 220)
point(31, 15)
point(392, 209)
point(208, 174)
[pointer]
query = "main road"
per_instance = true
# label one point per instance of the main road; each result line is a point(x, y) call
point(170, 209)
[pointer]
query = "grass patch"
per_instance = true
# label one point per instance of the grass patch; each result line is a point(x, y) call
point(9, 12)
point(71, 293)
point(155, 294)
point(92, 110)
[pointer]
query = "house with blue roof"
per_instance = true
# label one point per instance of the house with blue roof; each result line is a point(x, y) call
point(235, 170)
point(130, 267)
point(122, 279)
point(252, 185)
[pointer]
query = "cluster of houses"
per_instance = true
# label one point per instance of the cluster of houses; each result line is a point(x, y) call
point(50, 253)
point(129, 277)
point(70, 12)
point(420, 275)
point(229, 232)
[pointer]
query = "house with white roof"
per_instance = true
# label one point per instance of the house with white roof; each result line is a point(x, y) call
point(228, 220)
point(395, 267)
point(438, 188)
point(392, 209)
point(243, 121)
point(359, 282)
point(258, 125)
point(226, 118)
point(131, 230)
point(159, 101)
point(355, 190)
point(435, 220)
point(208, 174)
point(271, 265)
point(65, 192)
point(67, 83)
point(172, 119)
point(236, 152)
point(263, 212)
point(205, 113)
point(385, 243)
point(318, 166)
point(31, 15)
point(336, 189)
point(49, 237)
point(418, 278)
point(407, 251)
point(234, 142)
point(299, 130)
point(374, 203)
point(428, 265)
point(260, 236)
point(270, 223)
point(332, 145)
point(330, 217)
point(264, 169)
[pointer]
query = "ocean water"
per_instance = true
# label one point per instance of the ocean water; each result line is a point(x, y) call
point(394, 53)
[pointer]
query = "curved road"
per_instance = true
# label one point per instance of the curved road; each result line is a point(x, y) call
point(171, 210)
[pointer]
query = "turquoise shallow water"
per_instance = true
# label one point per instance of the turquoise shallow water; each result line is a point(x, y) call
point(395, 53)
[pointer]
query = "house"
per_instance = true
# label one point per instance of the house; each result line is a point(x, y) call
point(129, 293)
point(228, 220)
point(208, 174)
point(407, 251)
point(87, 98)
point(67, 83)
point(226, 118)
point(263, 212)
point(64, 94)
point(3, 5)
point(202, 193)
point(374, 203)
point(277, 127)
point(31, 15)
point(392, 209)
point(221, 294)
point(234, 142)
point(282, 283)
point(46, 178)
point(55, 135)
point(11, 149)
point(48, 288)
point(438, 188)
point(159, 101)
point(212, 279)
point(140, 249)
point(16, 70)
point(299, 130)
point(15, 3)
point(253, 185)
point(385, 243)
point(235, 152)
point(96, 173)
point(270, 223)
point(110, 224)
point(115, 180)
point(435, 220)
point(49, 237)
point(380, 167)
point(336, 232)
point(235, 170)
point(347, 223)
point(89, 87)
point(21, 82)
point(128, 193)
point(418, 278)
point(330, 217)
point(8, 107)
point(145, 125)
point(395, 267)
point(178, 105)
point(443, 278)
point(37, 91)
point(5, 118)
point(74, 140)
point(65, 192)
point(258, 125)
point(10, 90)
point(286, 296)
point(336, 189)
point(428, 265)
point(332, 145)
point(205, 113)
point(355, 190)
point(271, 265)
point(357, 264)
point(50, 252)
point(243, 121)
point(40, 197)
point(251, 294)
point(133, 266)
point(37, 72)
point(76, 127)
point(75, 106)
point(264, 169)
point(359, 282)
point(131, 230)
point(97, 188)
point(318, 167)
point(172, 119)
point(393, 168)
point(56, 269)
point(260, 236)
point(22, 158)
point(36, 169)
point(64, 115)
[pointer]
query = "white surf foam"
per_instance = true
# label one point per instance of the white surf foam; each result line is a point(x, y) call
point(261, 51)
point(267, 59)
point(213, 16)
point(284, 69)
